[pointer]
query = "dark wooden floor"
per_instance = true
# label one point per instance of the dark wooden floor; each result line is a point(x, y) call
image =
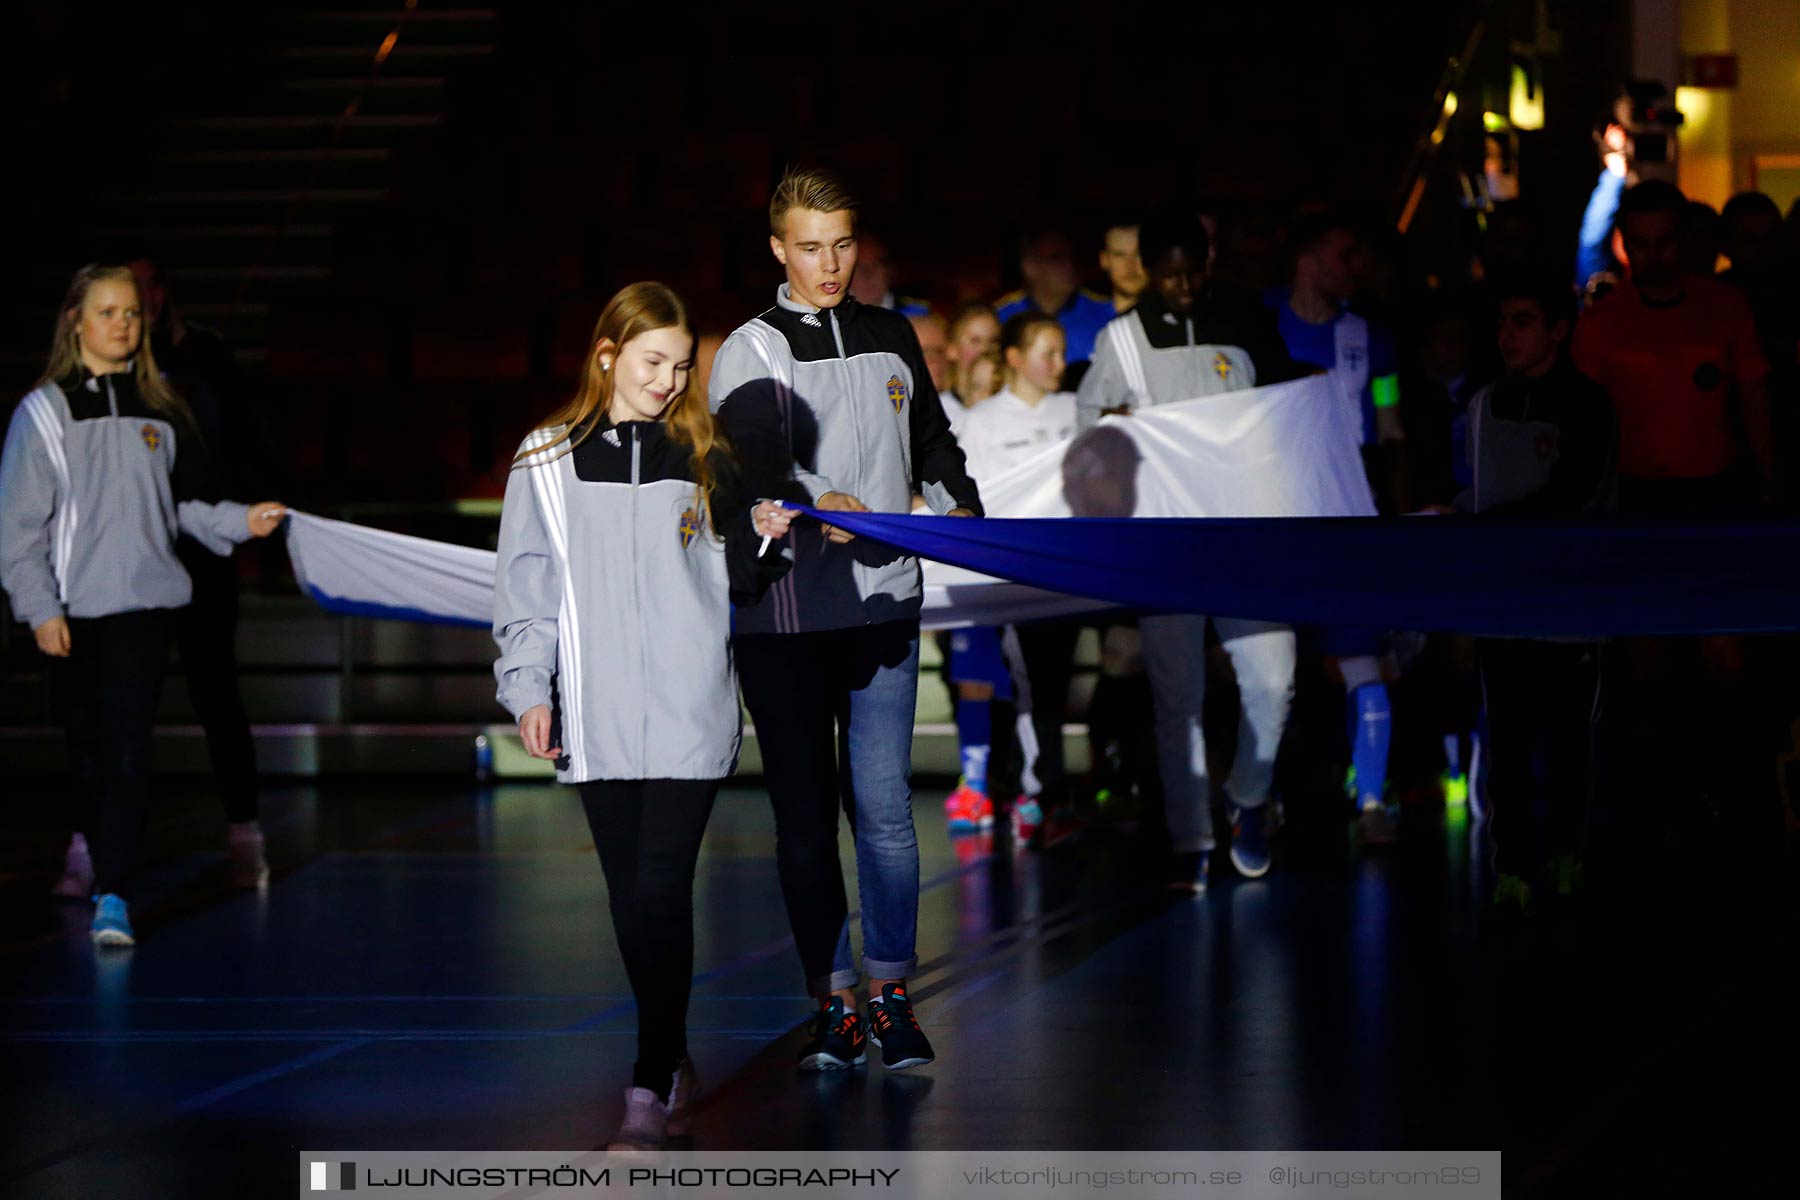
point(432, 967)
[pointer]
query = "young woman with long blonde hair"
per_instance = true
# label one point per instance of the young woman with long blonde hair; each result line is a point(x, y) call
point(624, 539)
point(97, 480)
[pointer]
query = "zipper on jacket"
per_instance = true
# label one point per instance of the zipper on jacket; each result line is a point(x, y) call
point(638, 567)
point(837, 335)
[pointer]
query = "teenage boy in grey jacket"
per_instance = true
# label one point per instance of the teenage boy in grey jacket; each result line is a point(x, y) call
point(828, 402)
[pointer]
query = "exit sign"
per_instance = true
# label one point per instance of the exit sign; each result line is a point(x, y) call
point(1710, 70)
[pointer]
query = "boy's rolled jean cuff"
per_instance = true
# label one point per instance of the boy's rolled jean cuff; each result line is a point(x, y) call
point(1205, 845)
point(845, 977)
point(876, 969)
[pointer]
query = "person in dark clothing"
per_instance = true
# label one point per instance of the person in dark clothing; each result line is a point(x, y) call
point(1681, 360)
point(202, 368)
point(1543, 442)
point(1764, 271)
point(1435, 390)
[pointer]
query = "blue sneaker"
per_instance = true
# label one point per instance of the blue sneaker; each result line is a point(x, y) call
point(112, 925)
point(1250, 841)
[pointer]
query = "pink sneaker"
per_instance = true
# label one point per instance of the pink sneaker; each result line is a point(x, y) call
point(77, 882)
point(967, 810)
point(1027, 816)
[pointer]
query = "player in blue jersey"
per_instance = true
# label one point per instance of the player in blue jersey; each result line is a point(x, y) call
point(1319, 329)
point(1047, 268)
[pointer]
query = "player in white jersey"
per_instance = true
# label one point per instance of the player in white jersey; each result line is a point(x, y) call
point(1027, 418)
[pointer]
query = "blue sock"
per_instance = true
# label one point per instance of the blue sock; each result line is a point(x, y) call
point(1368, 708)
point(975, 730)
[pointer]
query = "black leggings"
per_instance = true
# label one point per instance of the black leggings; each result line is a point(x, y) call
point(1541, 703)
point(206, 639)
point(648, 832)
point(110, 684)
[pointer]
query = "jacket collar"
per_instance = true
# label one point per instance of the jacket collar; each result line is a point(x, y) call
point(1155, 312)
point(617, 434)
point(784, 300)
point(82, 377)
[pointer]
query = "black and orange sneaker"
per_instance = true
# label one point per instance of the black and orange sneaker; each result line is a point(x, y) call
point(835, 1039)
point(894, 1028)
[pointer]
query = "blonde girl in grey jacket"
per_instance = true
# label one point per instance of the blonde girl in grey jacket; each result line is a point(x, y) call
point(624, 538)
point(95, 485)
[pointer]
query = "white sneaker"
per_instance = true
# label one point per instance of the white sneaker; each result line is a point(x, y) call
point(77, 882)
point(244, 845)
point(646, 1124)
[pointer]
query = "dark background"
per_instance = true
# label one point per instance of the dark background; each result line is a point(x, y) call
point(413, 286)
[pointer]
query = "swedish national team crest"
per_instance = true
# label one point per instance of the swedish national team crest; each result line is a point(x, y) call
point(689, 528)
point(152, 436)
point(1222, 365)
point(896, 392)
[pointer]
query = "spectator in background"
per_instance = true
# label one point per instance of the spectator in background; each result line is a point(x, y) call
point(874, 282)
point(1543, 442)
point(1434, 401)
point(934, 344)
point(1318, 328)
point(1119, 259)
point(201, 367)
point(1673, 350)
point(1680, 360)
point(1595, 255)
point(1047, 267)
point(974, 335)
point(1434, 404)
point(1752, 238)
point(985, 377)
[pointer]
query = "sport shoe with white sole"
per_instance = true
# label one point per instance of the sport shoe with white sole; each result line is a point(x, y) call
point(1250, 840)
point(836, 1039)
point(646, 1123)
point(894, 1028)
point(112, 924)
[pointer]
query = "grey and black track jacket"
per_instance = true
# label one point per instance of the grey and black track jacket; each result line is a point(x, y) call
point(92, 497)
point(837, 400)
point(612, 603)
point(1153, 355)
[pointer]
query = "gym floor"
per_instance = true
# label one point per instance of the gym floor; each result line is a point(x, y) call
point(432, 968)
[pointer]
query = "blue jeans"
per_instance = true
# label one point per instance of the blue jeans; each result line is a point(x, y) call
point(834, 721)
